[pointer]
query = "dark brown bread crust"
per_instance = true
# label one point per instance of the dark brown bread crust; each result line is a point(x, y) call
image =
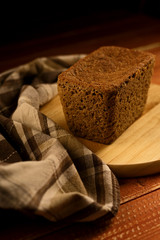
point(105, 92)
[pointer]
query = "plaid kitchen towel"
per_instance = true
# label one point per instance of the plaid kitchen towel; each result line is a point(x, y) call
point(44, 170)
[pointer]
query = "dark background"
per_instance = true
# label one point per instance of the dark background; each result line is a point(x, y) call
point(26, 20)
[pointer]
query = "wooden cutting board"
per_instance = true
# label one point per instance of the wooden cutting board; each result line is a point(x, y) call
point(137, 151)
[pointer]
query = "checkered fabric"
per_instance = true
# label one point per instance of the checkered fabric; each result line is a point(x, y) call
point(44, 170)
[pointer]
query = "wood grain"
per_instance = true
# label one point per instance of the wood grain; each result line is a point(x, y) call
point(136, 151)
point(136, 220)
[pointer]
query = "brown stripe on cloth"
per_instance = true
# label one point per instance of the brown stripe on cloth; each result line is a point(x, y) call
point(99, 180)
point(115, 193)
point(87, 213)
point(32, 143)
point(9, 131)
point(7, 153)
point(6, 109)
point(58, 177)
point(10, 85)
point(43, 123)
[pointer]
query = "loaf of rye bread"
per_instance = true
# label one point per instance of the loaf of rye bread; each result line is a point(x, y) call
point(105, 92)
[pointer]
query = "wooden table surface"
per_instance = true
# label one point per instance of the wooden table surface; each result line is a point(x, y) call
point(139, 212)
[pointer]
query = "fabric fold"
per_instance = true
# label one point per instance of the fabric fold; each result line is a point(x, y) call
point(46, 170)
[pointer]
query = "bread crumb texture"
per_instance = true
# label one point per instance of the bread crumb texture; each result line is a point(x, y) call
point(105, 92)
